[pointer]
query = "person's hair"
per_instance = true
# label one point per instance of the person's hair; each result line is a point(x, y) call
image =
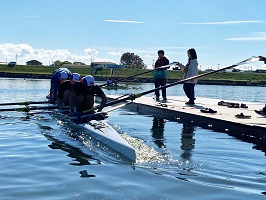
point(161, 52)
point(193, 53)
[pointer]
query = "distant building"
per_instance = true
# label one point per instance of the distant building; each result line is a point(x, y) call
point(98, 66)
point(236, 70)
point(102, 65)
point(260, 71)
point(176, 68)
point(33, 62)
point(11, 64)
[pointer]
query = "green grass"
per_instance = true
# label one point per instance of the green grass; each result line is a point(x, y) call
point(105, 73)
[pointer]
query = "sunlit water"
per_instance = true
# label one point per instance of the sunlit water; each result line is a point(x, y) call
point(43, 158)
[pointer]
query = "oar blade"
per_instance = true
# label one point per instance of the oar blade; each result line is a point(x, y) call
point(249, 60)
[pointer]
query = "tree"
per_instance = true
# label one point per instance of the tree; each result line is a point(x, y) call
point(66, 63)
point(130, 60)
point(58, 63)
point(78, 63)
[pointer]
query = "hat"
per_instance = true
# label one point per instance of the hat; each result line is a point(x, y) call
point(75, 77)
point(63, 75)
point(88, 80)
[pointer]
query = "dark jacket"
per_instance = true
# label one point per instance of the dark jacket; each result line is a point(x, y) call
point(160, 74)
point(161, 62)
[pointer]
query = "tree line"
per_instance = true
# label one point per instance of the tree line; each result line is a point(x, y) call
point(129, 60)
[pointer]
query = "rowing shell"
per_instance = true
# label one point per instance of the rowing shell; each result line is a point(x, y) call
point(98, 128)
point(106, 134)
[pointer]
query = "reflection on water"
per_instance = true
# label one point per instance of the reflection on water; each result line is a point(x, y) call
point(78, 156)
point(73, 152)
point(187, 141)
point(157, 131)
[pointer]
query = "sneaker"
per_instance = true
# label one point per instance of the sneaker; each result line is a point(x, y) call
point(260, 112)
point(165, 99)
point(242, 116)
point(190, 103)
point(156, 98)
point(208, 110)
point(243, 105)
point(222, 103)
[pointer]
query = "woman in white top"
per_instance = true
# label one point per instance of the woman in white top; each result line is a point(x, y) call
point(190, 69)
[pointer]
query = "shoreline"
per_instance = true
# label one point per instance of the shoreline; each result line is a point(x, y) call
point(143, 80)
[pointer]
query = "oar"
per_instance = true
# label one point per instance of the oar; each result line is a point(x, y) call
point(101, 113)
point(49, 111)
point(27, 109)
point(25, 103)
point(134, 96)
point(159, 68)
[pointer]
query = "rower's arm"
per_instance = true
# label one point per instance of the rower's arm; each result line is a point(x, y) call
point(60, 103)
point(103, 102)
point(71, 101)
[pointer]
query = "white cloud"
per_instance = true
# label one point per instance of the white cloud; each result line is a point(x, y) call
point(258, 36)
point(123, 21)
point(148, 56)
point(91, 52)
point(227, 22)
point(113, 53)
point(24, 52)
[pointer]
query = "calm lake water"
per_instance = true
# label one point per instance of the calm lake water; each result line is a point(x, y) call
point(43, 158)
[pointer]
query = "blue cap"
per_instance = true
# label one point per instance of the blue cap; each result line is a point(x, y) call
point(63, 75)
point(75, 77)
point(88, 80)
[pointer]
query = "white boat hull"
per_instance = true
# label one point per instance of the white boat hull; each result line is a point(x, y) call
point(106, 134)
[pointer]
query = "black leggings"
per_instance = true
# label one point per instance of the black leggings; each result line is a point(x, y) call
point(158, 83)
point(189, 90)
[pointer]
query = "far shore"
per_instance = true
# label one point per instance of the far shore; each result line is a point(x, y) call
point(140, 79)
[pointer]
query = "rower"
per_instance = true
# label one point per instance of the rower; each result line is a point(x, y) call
point(109, 82)
point(55, 82)
point(82, 96)
point(65, 88)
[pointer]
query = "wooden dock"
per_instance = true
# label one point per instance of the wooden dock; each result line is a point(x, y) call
point(251, 129)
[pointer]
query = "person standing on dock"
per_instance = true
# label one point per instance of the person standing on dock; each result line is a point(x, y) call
point(190, 70)
point(263, 110)
point(160, 75)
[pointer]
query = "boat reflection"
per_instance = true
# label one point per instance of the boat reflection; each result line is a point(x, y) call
point(157, 131)
point(75, 153)
point(78, 156)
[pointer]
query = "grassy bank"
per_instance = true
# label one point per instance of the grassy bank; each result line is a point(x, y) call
point(229, 78)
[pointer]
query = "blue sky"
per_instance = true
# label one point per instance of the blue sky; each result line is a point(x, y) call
point(223, 32)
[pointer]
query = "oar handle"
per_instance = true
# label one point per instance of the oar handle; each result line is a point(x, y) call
point(87, 115)
point(90, 110)
point(99, 113)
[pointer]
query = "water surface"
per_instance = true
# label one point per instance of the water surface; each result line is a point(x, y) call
point(43, 158)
